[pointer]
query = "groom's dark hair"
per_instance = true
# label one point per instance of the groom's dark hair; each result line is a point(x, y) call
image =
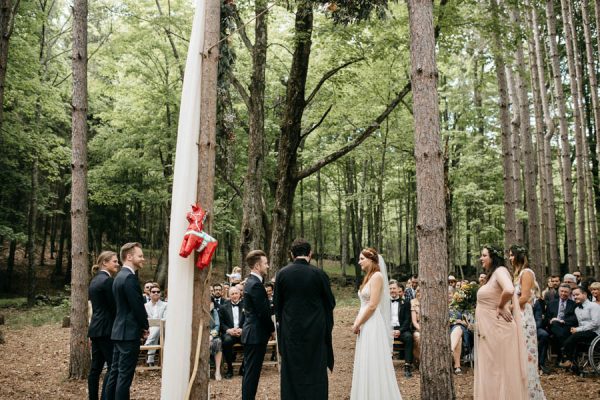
point(300, 248)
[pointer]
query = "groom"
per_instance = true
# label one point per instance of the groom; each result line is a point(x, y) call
point(304, 308)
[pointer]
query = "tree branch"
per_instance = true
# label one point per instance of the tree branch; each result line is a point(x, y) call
point(242, 28)
point(328, 75)
point(352, 145)
point(241, 89)
point(315, 126)
point(228, 181)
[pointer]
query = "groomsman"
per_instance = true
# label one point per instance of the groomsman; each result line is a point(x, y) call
point(401, 324)
point(258, 325)
point(131, 322)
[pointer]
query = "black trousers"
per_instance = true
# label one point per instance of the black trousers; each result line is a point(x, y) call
point(228, 342)
point(542, 339)
point(102, 352)
point(559, 334)
point(254, 355)
point(570, 346)
point(125, 355)
point(407, 338)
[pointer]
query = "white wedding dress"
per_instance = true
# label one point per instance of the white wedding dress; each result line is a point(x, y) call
point(373, 377)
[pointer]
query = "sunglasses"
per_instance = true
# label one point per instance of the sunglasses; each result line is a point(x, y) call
point(155, 291)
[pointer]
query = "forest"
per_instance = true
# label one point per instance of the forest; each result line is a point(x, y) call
point(518, 101)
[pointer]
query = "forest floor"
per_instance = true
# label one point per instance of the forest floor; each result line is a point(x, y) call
point(35, 362)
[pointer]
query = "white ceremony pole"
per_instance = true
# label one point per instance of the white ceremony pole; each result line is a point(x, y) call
point(176, 361)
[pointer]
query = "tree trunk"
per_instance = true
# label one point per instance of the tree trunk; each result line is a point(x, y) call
point(10, 265)
point(436, 374)
point(290, 137)
point(567, 183)
point(510, 229)
point(205, 191)
point(79, 361)
point(8, 10)
point(540, 77)
point(44, 240)
point(31, 233)
point(515, 151)
point(252, 234)
point(529, 158)
point(319, 223)
point(579, 146)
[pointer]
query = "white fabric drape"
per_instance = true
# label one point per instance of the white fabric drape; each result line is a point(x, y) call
point(176, 366)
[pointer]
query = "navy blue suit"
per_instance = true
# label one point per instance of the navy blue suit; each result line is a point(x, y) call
point(104, 309)
point(256, 331)
point(130, 323)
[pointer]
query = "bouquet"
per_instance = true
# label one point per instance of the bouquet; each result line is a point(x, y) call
point(465, 297)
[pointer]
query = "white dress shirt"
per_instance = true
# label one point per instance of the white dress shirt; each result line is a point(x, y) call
point(394, 314)
point(588, 317)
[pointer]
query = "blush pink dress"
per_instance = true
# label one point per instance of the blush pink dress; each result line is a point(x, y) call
point(500, 372)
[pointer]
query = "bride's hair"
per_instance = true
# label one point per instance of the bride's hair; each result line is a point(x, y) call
point(371, 254)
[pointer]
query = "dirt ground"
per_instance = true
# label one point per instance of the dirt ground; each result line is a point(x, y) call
point(35, 360)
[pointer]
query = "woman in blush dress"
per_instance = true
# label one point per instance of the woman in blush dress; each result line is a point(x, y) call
point(526, 286)
point(500, 372)
point(373, 376)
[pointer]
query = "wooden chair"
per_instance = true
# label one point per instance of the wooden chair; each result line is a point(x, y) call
point(158, 356)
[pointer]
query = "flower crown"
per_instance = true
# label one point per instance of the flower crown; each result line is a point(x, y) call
point(494, 251)
point(519, 249)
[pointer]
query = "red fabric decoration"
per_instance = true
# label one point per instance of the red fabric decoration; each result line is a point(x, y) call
point(196, 239)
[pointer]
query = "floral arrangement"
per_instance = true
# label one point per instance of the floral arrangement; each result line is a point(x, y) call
point(465, 297)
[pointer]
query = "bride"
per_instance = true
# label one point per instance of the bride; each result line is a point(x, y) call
point(373, 376)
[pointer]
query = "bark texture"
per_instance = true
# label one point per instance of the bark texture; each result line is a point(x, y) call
point(79, 361)
point(436, 374)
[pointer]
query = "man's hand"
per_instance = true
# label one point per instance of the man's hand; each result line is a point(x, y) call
point(396, 333)
point(145, 334)
point(573, 330)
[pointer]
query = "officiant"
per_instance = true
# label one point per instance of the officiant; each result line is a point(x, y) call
point(304, 308)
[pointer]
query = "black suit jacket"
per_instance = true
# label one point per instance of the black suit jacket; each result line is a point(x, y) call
point(258, 324)
point(131, 319)
point(103, 305)
point(226, 316)
point(404, 317)
point(552, 312)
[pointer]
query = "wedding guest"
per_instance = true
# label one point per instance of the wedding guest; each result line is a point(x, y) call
point(147, 287)
point(526, 287)
point(551, 292)
point(571, 280)
point(543, 336)
point(482, 279)
point(217, 296)
point(588, 318)
point(231, 317)
point(235, 277)
point(156, 309)
point(560, 318)
point(415, 315)
point(411, 288)
point(103, 315)
point(401, 324)
point(225, 287)
point(215, 340)
point(577, 275)
point(451, 284)
point(595, 290)
point(500, 372)
point(459, 336)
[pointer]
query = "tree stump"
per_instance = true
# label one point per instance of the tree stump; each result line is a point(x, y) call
point(66, 323)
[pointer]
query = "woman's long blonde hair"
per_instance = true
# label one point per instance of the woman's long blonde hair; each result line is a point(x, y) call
point(102, 258)
point(371, 254)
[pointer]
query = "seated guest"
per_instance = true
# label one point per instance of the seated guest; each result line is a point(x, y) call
point(482, 279)
point(588, 318)
point(225, 287)
point(560, 318)
point(400, 321)
point(215, 340)
point(577, 275)
point(451, 284)
point(415, 315)
point(231, 317)
point(542, 334)
point(595, 290)
point(459, 336)
point(147, 286)
point(269, 287)
point(156, 309)
point(217, 295)
point(411, 288)
point(571, 280)
point(551, 292)
point(235, 277)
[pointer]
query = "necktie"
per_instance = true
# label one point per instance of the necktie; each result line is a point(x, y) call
point(235, 305)
point(395, 300)
point(561, 310)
